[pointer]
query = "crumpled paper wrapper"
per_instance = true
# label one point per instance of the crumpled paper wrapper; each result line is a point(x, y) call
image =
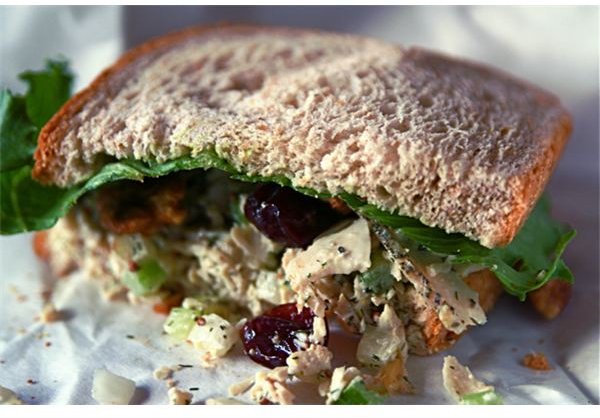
point(54, 363)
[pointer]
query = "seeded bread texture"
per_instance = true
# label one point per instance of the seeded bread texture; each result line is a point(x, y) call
point(454, 144)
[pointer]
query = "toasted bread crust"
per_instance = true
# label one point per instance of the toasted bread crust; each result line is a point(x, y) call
point(532, 185)
point(437, 156)
point(56, 128)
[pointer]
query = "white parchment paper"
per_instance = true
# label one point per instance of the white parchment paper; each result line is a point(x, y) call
point(58, 359)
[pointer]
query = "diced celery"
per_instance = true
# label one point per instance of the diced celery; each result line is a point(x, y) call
point(488, 397)
point(378, 279)
point(180, 322)
point(148, 278)
point(356, 393)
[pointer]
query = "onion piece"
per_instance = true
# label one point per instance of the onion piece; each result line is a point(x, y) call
point(111, 389)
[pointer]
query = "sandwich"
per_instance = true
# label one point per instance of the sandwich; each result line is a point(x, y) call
point(274, 183)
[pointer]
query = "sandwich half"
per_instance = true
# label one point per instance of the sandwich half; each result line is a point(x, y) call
point(240, 170)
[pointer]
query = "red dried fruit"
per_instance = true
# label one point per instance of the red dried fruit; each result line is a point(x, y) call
point(269, 339)
point(287, 216)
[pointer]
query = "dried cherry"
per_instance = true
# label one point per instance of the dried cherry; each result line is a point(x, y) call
point(269, 339)
point(287, 216)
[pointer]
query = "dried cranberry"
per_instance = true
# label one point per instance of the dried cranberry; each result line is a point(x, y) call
point(287, 216)
point(269, 339)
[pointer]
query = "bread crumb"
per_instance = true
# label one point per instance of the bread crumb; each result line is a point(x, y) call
point(163, 373)
point(241, 387)
point(537, 361)
point(50, 314)
point(18, 295)
point(171, 383)
point(179, 397)
point(224, 401)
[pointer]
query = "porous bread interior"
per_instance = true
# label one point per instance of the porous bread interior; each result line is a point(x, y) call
point(451, 143)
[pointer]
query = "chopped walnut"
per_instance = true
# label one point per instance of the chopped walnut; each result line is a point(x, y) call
point(50, 314)
point(179, 397)
point(241, 387)
point(163, 373)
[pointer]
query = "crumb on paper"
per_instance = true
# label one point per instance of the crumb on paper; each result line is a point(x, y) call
point(179, 397)
point(31, 382)
point(537, 361)
point(171, 383)
point(18, 295)
point(224, 401)
point(113, 293)
point(47, 344)
point(8, 397)
point(45, 294)
point(241, 386)
point(50, 314)
point(163, 373)
point(42, 335)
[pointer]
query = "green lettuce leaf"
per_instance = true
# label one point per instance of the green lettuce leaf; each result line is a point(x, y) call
point(356, 393)
point(18, 136)
point(48, 90)
point(531, 260)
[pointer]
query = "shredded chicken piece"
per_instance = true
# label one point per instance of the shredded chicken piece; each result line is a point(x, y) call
point(341, 377)
point(311, 364)
point(459, 381)
point(341, 252)
point(271, 387)
point(319, 331)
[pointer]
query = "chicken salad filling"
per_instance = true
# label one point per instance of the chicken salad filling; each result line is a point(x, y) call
point(202, 249)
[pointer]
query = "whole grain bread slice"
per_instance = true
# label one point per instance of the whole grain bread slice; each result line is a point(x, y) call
point(455, 144)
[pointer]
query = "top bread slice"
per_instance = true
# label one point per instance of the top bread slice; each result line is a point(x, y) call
point(452, 143)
